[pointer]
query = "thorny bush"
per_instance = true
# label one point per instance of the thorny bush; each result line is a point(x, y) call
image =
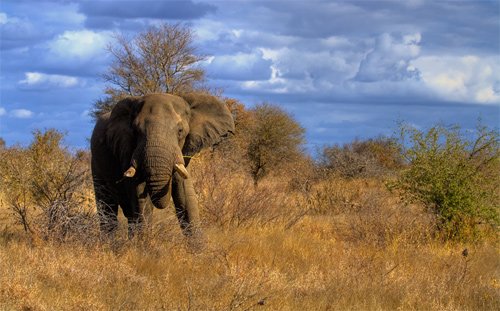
point(46, 187)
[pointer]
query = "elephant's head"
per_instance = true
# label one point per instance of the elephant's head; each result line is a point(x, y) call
point(151, 134)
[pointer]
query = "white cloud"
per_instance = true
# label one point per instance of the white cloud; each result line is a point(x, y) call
point(461, 78)
point(3, 18)
point(390, 67)
point(83, 44)
point(335, 42)
point(278, 85)
point(209, 30)
point(333, 66)
point(259, 38)
point(343, 72)
point(412, 41)
point(21, 113)
point(240, 66)
point(412, 4)
point(37, 79)
point(294, 71)
point(390, 59)
point(2, 111)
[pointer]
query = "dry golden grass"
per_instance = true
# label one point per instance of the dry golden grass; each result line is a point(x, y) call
point(356, 248)
point(305, 268)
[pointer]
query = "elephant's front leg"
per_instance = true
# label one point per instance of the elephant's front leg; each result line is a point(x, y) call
point(144, 205)
point(186, 205)
point(137, 208)
point(107, 206)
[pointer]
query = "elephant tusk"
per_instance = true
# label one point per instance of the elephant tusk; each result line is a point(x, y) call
point(181, 169)
point(130, 172)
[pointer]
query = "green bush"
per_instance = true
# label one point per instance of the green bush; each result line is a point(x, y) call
point(454, 173)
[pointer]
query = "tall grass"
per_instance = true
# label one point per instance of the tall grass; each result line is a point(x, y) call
point(308, 267)
point(337, 244)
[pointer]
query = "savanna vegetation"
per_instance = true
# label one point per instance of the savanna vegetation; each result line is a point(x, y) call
point(408, 222)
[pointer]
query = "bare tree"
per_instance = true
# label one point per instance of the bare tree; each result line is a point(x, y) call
point(161, 59)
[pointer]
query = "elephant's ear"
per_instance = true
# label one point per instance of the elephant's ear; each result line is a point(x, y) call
point(120, 133)
point(210, 121)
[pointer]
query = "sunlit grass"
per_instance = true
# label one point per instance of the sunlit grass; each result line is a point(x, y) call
point(364, 251)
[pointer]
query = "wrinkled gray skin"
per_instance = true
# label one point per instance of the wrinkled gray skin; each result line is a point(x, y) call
point(152, 134)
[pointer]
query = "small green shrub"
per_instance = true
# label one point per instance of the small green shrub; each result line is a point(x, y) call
point(454, 173)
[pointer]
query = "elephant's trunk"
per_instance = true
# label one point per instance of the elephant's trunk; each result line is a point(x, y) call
point(159, 162)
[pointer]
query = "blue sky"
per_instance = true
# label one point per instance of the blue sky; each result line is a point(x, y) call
point(343, 69)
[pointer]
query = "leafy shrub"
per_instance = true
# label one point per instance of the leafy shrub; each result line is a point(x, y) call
point(455, 175)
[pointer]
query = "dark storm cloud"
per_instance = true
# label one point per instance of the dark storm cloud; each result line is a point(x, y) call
point(106, 14)
point(444, 24)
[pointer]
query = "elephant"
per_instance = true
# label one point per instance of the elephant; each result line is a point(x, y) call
point(140, 151)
